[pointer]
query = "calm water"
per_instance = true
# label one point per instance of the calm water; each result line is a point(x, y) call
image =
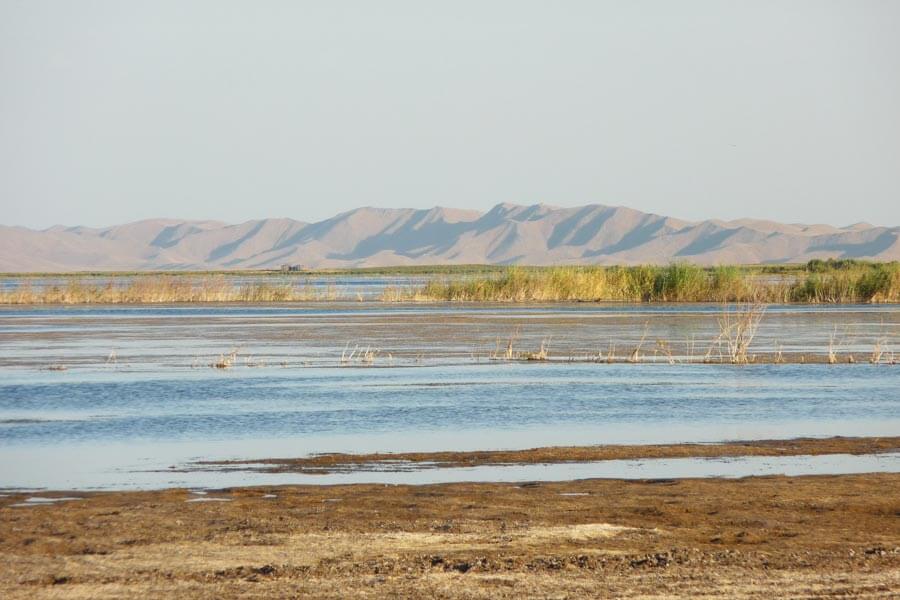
point(122, 421)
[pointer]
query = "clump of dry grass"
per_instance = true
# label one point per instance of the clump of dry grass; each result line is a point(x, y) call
point(611, 352)
point(508, 353)
point(779, 354)
point(225, 361)
point(636, 353)
point(400, 294)
point(358, 355)
point(664, 348)
point(880, 349)
point(161, 289)
point(543, 353)
point(738, 328)
point(835, 344)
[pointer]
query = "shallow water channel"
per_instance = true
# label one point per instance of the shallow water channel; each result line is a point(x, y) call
point(112, 397)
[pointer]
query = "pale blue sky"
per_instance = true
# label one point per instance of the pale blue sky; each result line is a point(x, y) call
point(112, 111)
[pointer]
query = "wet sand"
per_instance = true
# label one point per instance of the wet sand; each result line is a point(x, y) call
point(815, 536)
point(340, 462)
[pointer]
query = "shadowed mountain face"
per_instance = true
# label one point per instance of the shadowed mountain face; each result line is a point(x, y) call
point(371, 237)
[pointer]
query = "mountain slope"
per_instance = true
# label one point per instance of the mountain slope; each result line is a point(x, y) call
point(506, 234)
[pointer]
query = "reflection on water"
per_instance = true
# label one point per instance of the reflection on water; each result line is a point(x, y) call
point(117, 423)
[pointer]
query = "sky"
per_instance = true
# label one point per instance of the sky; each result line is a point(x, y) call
point(114, 111)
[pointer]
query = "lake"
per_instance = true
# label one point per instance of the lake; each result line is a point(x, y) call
point(134, 394)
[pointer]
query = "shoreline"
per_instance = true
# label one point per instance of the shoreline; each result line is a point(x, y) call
point(342, 462)
point(678, 461)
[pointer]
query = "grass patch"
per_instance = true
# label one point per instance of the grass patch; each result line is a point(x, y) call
point(832, 281)
point(857, 282)
point(161, 289)
point(818, 282)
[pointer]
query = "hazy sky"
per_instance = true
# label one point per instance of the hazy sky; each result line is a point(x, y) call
point(115, 111)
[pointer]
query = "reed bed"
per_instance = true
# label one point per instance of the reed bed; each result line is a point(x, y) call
point(819, 282)
point(159, 289)
point(833, 281)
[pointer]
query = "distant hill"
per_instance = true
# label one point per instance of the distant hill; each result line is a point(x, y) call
point(371, 237)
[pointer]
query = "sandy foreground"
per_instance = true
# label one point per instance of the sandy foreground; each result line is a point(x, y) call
point(821, 536)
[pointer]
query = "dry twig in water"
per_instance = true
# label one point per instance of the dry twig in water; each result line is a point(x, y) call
point(737, 329)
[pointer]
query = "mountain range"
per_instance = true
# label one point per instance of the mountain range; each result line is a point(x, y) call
point(372, 237)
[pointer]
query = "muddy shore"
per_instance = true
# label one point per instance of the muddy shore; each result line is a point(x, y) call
point(815, 536)
point(339, 462)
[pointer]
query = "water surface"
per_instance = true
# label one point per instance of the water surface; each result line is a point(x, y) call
point(138, 396)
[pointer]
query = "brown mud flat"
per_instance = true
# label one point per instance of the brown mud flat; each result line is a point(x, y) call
point(338, 462)
point(817, 536)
